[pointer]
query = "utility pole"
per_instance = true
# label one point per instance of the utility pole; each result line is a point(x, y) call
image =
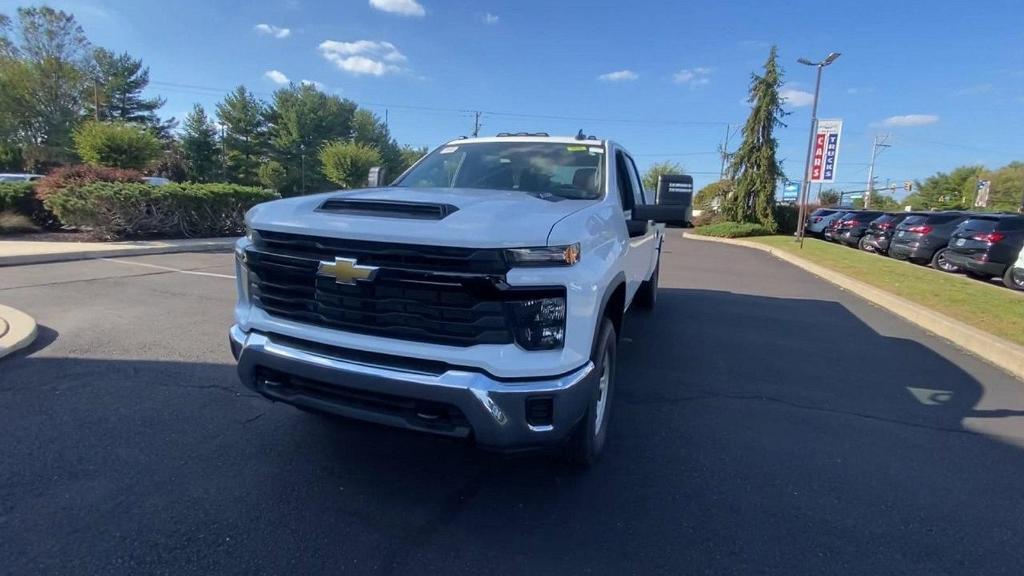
point(386, 118)
point(810, 142)
point(878, 142)
point(96, 98)
point(724, 152)
point(476, 124)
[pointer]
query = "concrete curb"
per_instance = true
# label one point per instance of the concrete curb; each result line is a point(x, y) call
point(17, 330)
point(1002, 353)
point(177, 247)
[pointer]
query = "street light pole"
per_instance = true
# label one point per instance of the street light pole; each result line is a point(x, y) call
point(802, 213)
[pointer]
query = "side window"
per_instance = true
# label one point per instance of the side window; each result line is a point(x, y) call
point(638, 184)
point(625, 181)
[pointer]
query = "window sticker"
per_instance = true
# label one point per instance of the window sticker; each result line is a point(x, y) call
point(576, 148)
point(449, 149)
point(597, 150)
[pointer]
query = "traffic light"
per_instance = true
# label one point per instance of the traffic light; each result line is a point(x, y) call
point(908, 185)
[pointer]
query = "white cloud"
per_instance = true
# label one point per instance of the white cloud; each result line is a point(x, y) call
point(618, 76)
point(401, 7)
point(796, 98)
point(693, 76)
point(313, 83)
point(271, 30)
point(363, 56)
point(976, 90)
point(491, 18)
point(276, 76)
point(911, 120)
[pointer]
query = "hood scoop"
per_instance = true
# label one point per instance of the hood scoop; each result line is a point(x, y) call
point(388, 208)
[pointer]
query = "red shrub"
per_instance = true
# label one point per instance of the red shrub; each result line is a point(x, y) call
point(70, 177)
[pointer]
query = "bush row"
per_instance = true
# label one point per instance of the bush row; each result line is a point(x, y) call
point(20, 198)
point(733, 230)
point(119, 210)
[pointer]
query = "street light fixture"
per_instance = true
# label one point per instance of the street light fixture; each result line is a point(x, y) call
point(810, 141)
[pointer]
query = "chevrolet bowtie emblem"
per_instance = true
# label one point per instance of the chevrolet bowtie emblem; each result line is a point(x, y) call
point(346, 271)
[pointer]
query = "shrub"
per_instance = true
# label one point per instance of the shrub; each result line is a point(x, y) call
point(116, 145)
point(707, 217)
point(20, 198)
point(786, 217)
point(733, 230)
point(348, 164)
point(76, 176)
point(117, 210)
point(13, 223)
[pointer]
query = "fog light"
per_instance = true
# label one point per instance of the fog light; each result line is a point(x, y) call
point(540, 323)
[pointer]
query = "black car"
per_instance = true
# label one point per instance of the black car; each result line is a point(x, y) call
point(986, 245)
point(923, 238)
point(852, 226)
point(880, 231)
point(831, 229)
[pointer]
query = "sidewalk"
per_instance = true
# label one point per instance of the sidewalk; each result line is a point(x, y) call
point(13, 253)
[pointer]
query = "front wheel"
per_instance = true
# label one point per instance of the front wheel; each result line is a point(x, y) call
point(647, 295)
point(588, 440)
point(940, 262)
point(1014, 278)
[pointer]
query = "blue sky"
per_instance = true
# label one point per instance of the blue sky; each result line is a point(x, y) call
point(945, 78)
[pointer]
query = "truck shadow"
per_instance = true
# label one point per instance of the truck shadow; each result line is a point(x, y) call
point(750, 434)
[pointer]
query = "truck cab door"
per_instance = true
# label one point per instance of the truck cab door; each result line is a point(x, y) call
point(641, 247)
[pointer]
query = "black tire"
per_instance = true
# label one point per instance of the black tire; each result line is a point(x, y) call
point(588, 440)
point(940, 263)
point(1013, 279)
point(647, 295)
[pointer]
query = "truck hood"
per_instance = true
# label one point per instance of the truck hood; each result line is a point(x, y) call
point(484, 219)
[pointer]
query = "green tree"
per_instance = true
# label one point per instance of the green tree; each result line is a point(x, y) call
point(273, 175)
point(830, 197)
point(879, 201)
point(245, 139)
point(199, 146)
point(755, 167)
point(7, 47)
point(657, 170)
point(55, 52)
point(713, 196)
point(119, 81)
point(302, 119)
point(368, 129)
point(942, 191)
point(348, 164)
point(1006, 189)
point(409, 156)
point(116, 145)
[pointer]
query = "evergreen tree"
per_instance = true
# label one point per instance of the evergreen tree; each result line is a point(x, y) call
point(302, 119)
point(119, 81)
point(754, 166)
point(245, 138)
point(368, 129)
point(199, 145)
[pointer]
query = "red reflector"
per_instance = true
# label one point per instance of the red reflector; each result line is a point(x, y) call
point(920, 229)
point(847, 223)
point(991, 237)
point(885, 225)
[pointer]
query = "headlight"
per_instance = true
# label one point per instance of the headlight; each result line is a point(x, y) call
point(540, 323)
point(250, 234)
point(544, 256)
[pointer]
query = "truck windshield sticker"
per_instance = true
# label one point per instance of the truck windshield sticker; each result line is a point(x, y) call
point(576, 148)
point(449, 149)
point(596, 151)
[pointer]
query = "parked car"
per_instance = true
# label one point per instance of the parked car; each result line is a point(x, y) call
point(987, 245)
point(480, 296)
point(880, 231)
point(13, 177)
point(922, 239)
point(818, 220)
point(852, 226)
point(156, 180)
point(829, 233)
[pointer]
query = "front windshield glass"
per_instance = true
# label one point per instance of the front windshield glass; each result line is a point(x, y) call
point(571, 171)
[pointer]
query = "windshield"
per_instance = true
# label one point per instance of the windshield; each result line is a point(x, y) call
point(544, 168)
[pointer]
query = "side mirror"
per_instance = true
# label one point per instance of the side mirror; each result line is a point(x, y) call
point(659, 213)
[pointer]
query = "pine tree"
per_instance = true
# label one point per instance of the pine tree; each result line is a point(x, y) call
point(199, 143)
point(754, 167)
point(245, 138)
point(119, 81)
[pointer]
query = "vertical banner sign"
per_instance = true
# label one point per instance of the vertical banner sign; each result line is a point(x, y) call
point(981, 198)
point(826, 151)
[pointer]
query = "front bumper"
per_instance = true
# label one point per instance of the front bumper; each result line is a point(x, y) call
point(453, 402)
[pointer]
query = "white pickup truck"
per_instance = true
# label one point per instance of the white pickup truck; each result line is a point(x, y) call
point(481, 295)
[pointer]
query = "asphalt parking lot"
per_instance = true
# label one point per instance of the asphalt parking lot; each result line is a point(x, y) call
point(765, 423)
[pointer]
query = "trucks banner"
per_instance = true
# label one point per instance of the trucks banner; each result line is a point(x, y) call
point(826, 151)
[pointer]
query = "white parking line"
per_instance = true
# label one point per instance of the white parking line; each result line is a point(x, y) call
point(169, 269)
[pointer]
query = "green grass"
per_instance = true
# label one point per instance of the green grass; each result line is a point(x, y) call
point(998, 311)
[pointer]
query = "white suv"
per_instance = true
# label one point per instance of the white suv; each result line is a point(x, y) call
point(480, 295)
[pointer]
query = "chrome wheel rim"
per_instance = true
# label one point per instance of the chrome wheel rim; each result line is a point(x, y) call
point(945, 265)
point(602, 396)
point(1018, 277)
